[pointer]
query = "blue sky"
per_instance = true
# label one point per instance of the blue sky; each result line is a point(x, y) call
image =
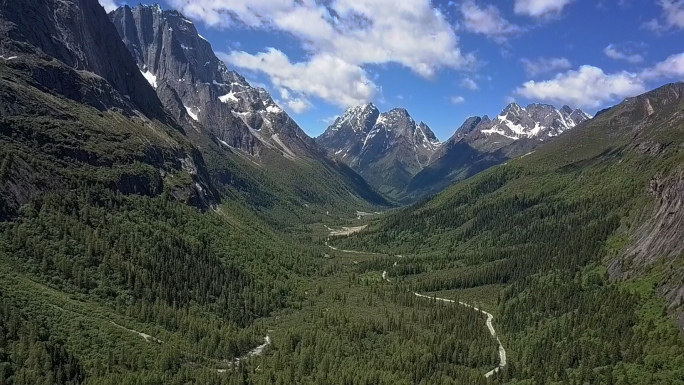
point(443, 60)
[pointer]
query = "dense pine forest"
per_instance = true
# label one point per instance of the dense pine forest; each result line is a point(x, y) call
point(544, 229)
point(137, 247)
point(100, 286)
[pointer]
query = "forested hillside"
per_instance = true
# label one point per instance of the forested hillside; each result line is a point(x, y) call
point(137, 248)
point(545, 228)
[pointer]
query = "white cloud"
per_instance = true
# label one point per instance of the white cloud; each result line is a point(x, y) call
point(588, 87)
point(540, 8)
point(487, 21)
point(109, 5)
point(457, 100)
point(672, 18)
point(324, 76)
point(674, 13)
point(295, 103)
point(350, 33)
point(470, 84)
point(330, 119)
point(544, 65)
point(672, 68)
point(616, 53)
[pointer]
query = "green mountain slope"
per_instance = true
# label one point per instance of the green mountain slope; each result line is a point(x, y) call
point(546, 227)
point(136, 251)
point(129, 251)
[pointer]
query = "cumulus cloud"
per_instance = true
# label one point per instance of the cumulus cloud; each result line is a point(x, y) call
point(672, 18)
point(457, 100)
point(673, 12)
point(618, 53)
point(672, 68)
point(487, 20)
point(540, 8)
point(544, 65)
point(324, 76)
point(590, 87)
point(295, 103)
point(348, 33)
point(470, 84)
point(109, 5)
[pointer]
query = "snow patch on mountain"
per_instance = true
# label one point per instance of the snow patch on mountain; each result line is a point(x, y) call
point(229, 97)
point(193, 114)
point(150, 78)
point(536, 121)
point(273, 109)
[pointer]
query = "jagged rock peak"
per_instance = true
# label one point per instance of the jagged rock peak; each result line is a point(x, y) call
point(387, 148)
point(566, 110)
point(468, 126)
point(199, 89)
point(534, 121)
point(397, 116)
point(357, 118)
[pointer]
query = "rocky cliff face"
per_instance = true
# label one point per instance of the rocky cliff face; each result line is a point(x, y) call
point(386, 148)
point(223, 114)
point(656, 235)
point(197, 87)
point(78, 34)
point(75, 109)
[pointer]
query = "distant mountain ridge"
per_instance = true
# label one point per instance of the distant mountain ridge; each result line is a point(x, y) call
point(536, 121)
point(386, 148)
point(406, 161)
point(482, 142)
point(389, 150)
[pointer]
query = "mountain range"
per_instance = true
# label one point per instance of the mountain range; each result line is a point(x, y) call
point(404, 160)
point(162, 221)
point(195, 85)
point(224, 114)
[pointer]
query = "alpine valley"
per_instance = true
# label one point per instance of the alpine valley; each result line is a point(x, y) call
point(165, 221)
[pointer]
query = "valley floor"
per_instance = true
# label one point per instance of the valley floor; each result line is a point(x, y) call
point(358, 318)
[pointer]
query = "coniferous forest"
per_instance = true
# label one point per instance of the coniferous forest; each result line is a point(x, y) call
point(142, 242)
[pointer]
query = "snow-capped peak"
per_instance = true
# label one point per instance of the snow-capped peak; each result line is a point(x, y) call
point(363, 134)
point(359, 118)
point(534, 121)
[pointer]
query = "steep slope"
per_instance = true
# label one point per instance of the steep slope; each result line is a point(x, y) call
point(482, 142)
point(548, 230)
point(108, 275)
point(386, 149)
point(91, 46)
point(60, 93)
point(231, 119)
point(182, 67)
